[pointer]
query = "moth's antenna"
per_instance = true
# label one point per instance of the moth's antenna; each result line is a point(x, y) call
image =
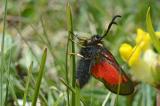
point(109, 26)
point(75, 35)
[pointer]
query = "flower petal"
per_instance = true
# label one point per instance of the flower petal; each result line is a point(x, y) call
point(134, 56)
point(125, 51)
point(143, 39)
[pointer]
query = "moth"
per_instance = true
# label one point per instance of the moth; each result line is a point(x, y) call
point(97, 61)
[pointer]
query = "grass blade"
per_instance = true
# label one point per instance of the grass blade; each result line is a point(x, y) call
point(27, 43)
point(41, 95)
point(27, 83)
point(39, 79)
point(48, 43)
point(69, 26)
point(66, 69)
point(8, 77)
point(106, 99)
point(2, 54)
point(68, 86)
point(74, 91)
point(13, 93)
point(70, 35)
point(77, 101)
point(150, 29)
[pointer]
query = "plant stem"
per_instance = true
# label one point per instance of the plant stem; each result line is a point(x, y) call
point(2, 53)
point(158, 97)
point(66, 67)
point(70, 30)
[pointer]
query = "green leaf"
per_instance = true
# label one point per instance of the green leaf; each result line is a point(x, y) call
point(39, 79)
point(27, 83)
point(150, 29)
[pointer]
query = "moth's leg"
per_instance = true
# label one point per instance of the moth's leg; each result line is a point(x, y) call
point(75, 35)
point(79, 55)
point(80, 40)
point(77, 43)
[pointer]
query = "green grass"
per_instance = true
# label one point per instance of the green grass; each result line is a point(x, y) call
point(151, 31)
point(2, 69)
point(67, 52)
point(27, 83)
point(29, 26)
point(39, 78)
point(75, 95)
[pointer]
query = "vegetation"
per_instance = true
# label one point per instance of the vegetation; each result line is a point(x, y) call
point(37, 42)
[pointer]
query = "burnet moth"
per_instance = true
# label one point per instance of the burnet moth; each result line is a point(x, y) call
point(97, 61)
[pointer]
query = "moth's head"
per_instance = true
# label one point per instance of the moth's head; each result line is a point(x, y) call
point(95, 39)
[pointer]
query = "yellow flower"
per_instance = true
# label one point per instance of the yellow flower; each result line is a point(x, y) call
point(142, 39)
point(158, 34)
point(125, 51)
point(146, 67)
point(130, 54)
point(134, 56)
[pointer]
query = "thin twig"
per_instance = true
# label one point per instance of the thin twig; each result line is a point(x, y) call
point(158, 97)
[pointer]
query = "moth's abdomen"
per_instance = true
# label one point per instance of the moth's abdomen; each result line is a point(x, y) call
point(83, 75)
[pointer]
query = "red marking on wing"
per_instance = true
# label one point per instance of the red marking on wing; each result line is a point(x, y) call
point(108, 73)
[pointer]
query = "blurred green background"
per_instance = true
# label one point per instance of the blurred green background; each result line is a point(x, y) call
point(33, 25)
